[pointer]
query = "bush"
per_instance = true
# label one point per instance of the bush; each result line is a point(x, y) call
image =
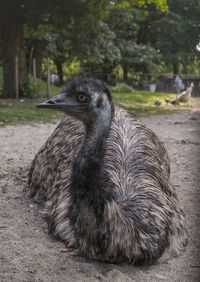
point(122, 87)
point(40, 88)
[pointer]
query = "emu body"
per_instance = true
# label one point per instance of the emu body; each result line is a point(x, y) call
point(186, 95)
point(104, 179)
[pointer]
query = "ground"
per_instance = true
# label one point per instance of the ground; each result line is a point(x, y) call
point(28, 253)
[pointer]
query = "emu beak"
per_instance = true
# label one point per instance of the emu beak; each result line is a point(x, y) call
point(56, 102)
point(63, 103)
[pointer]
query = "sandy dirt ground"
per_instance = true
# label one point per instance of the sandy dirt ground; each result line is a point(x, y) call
point(28, 253)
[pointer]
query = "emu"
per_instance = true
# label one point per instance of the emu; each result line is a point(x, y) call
point(103, 179)
point(186, 95)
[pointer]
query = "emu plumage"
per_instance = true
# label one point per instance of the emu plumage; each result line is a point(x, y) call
point(103, 178)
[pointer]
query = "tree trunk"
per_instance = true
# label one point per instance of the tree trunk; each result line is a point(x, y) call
point(125, 73)
point(38, 55)
point(60, 71)
point(11, 36)
point(175, 68)
point(23, 73)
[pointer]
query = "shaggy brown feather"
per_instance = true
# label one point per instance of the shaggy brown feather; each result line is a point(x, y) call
point(142, 220)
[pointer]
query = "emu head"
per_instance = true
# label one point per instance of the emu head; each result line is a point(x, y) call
point(83, 98)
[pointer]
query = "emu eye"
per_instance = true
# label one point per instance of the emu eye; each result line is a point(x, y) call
point(81, 98)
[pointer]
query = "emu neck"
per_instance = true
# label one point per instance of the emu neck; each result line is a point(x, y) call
point(92, 149)
point(95, 137)
point(88, 168)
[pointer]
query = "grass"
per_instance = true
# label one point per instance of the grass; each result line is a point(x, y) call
point(15, 112)
point(23, 111)
point(140, 103)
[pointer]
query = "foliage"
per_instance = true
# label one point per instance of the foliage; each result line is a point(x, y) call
point(159, 4)
point(135, 56)
point(122, 88)
point(167, 42)
point(99, 55)
point(1, 80)
point(103, 36)
point(77, 15)
point(39, 88)
point(178, 47)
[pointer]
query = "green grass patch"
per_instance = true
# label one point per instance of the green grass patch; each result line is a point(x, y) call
point(24, 111)
point(15, 112)
point(142, 103)
point(139, 103)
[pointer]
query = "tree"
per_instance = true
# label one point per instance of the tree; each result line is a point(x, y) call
point(97, 52)
point(60, 49)
point(136, 56)
point(58, 14)
point(176, 34)
point(11, 36)
point(36, 39)
point(79, 19)
point(13, 15)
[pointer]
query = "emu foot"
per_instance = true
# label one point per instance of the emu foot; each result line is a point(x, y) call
point(70, 251)
point(66, 250)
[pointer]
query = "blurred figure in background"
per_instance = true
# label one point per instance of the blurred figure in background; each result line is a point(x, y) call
point(54, 78)
point(178, 83)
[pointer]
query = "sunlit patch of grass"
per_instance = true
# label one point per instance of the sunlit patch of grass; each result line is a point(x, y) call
point(139, 103)
point(143, 102)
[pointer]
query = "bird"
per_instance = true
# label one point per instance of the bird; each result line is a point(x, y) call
point(157, 103)
point(103, 180)
point(186, 95)
point(175, 102)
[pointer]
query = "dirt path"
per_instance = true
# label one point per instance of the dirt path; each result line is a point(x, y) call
point(28, 253)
